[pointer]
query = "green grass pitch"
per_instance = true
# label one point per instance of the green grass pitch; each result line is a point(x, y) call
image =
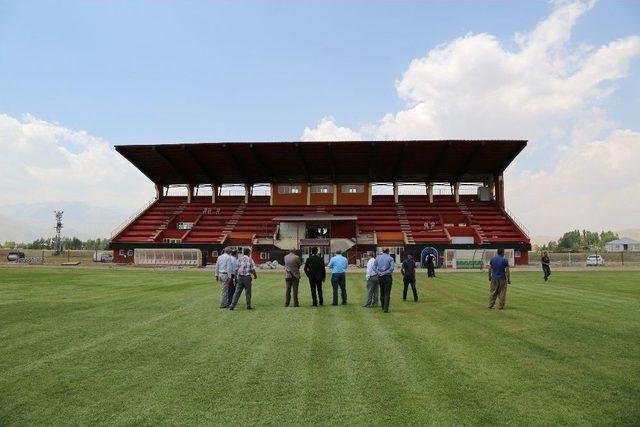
point(134, 346)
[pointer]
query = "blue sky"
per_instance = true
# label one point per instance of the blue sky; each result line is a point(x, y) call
point(78, 77)
point(133, 72)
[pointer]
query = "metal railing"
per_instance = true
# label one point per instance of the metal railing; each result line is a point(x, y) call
point(127, 221)
point(517, 221)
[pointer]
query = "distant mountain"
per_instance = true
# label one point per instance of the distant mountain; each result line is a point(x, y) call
point(632, 233)
point(28, 221)
point(12, 229)
point(543, 240)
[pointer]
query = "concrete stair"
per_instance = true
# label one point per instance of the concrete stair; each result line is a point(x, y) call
point(231, 224)
point(465, 211)
point(405, 227)
point(164, 224)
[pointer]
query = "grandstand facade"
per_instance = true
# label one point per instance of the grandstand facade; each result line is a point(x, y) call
point(321, 196)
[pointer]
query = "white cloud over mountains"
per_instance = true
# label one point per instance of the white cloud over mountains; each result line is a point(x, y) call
point(545, 91)
point(44, 162)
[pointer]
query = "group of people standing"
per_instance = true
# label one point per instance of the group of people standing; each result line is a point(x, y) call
point(235, 273)
point(378, 276)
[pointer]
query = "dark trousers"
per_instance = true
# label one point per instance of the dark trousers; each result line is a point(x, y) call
point(339, 280)
point(386, 282)
point(292, 285)
point(244, 283)
point(316, 291)
point(409, 280)
point(547, 271)
point(232, 289)
point(431, 270)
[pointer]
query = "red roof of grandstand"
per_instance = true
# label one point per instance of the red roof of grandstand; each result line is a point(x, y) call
point(323, 161)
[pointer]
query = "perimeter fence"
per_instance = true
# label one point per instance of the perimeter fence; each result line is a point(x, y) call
point(573, 259)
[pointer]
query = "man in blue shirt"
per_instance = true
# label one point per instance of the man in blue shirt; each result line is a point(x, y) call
point(499, 276)
point(338, 265)
point(384, 267)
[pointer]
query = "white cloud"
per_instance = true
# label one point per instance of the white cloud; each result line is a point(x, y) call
point(580, 170)
point(595, 185)
point(45, 162)
point(543, 90)
point(327, 130)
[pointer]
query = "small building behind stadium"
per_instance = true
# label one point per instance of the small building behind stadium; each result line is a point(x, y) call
point(624, 244)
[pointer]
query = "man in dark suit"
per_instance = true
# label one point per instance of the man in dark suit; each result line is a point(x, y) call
point(546, 265)
point(314, 269)
point(408, 271)
point(431, 265)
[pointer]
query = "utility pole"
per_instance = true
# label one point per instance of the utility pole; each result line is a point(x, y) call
point(58, 228)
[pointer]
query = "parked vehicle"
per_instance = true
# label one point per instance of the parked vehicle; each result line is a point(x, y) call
point(594, 260)
point(15, 256)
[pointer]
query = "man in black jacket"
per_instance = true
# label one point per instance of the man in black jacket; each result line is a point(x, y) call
point(546, 265)
point(314, 269)
point(431, 265)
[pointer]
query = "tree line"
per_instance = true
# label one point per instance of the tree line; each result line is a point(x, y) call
point(72, 243)
point(576, 241)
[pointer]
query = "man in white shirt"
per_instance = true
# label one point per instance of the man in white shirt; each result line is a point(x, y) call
point(223, 275)
point(373, 283)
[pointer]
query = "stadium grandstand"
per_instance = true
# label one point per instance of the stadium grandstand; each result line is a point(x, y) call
point(323, 194)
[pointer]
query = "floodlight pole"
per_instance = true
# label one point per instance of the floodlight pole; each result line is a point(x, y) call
point(58, 228)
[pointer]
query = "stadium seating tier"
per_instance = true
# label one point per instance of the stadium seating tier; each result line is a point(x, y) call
point(420, 221)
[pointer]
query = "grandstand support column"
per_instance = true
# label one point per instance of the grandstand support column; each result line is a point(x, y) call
point(370, 194)
point(214, 191)
point(308, 194)
point(395, 192)
point(335, 194)
point(500, 191)
point(189, 192)
point(492, 188)
point(159, 191)
point(247, 192)
point(273, 187)
point(456, 191)
point(430, 191)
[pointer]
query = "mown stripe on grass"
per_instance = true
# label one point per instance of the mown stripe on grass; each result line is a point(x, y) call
point(34, 364)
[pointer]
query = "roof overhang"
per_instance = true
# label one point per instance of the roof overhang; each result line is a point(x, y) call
point(323, 161)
